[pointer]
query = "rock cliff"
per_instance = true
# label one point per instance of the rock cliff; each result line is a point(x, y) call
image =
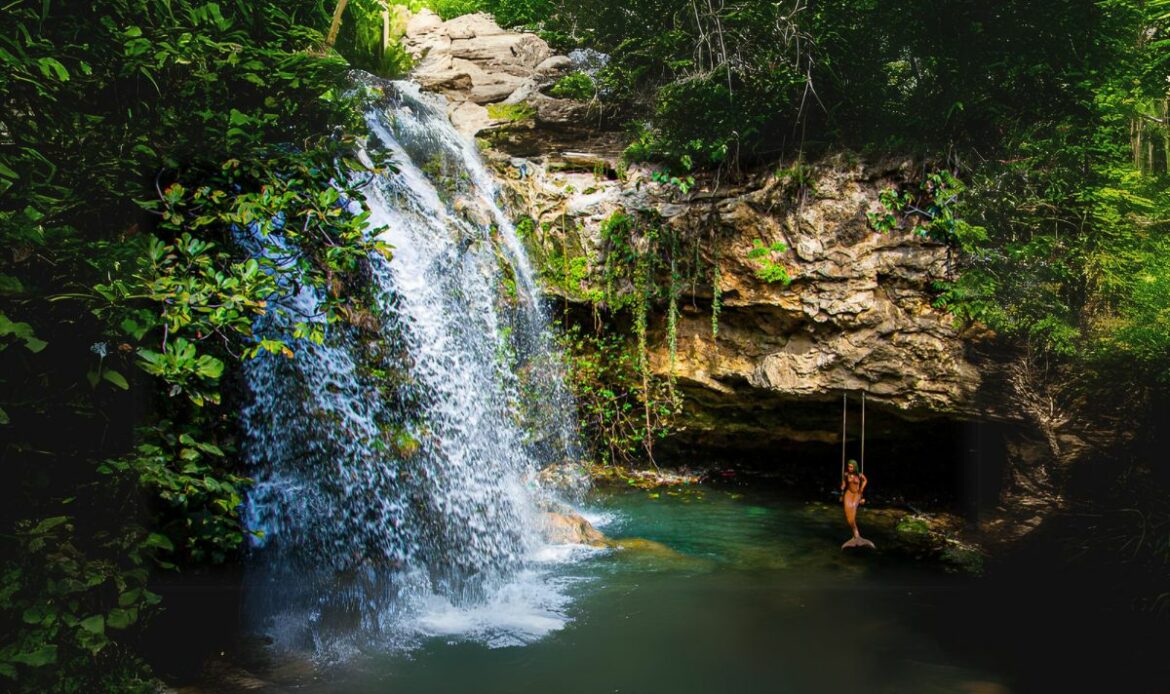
point(857, 315)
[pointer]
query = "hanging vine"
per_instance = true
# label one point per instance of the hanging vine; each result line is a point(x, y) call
point(715, 298)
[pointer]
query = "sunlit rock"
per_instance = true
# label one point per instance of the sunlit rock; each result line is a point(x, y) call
point(571, 528)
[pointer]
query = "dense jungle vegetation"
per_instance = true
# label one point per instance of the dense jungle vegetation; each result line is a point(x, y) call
point(143, 143)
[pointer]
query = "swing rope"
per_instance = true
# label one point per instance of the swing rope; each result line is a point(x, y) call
point(844, 415)
point(845, 431)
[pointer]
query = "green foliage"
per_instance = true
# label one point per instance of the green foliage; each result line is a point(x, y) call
point(571, 275)
point(369, 37)
point(620, 407)
point(710, 120)
point(933, 74)
point(142, 140)
point(508, 13)
point(768, 257)
point(684, 185)
point(71, 593)
point(449, 9)
point(510, 112)
point(575, 85)
point(525, 228)
point(200, 502)
point(1070, 257)
point(798, 180)
point(716, 79)
point(640, 273)
point(19, 332)
point(930, 212)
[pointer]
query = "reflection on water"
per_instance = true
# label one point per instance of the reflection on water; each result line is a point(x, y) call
point(713, 592)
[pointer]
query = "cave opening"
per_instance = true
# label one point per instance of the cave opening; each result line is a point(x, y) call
point(953, 464)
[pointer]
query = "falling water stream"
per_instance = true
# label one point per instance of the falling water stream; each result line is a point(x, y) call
point(396, 494)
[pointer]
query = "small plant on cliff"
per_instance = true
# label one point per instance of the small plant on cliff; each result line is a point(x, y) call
point(930, 212)
point(683, 185)
point(525, 227)
point(768, 256)
point(799, 179)
point(577, 86)
point(510, 112)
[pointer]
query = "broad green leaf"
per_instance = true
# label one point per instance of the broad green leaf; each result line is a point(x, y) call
point(120, 618)
point(51, 67)
point(160, 541)
point(116, 378)
point(36, 614)
point(38, 658)
point(95, 624)
point(49, 523)
point(210, 367)
point(133, 328)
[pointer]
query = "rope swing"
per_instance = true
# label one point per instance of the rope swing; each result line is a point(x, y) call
point(845, 431)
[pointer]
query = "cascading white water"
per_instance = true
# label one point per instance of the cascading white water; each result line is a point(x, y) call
point(395, 463)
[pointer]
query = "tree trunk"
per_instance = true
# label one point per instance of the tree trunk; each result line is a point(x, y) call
point(336, 25)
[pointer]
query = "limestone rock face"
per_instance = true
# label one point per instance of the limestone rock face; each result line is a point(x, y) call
point(858, 315)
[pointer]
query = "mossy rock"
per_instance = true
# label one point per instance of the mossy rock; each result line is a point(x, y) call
point(962, 558)
point(913, 527)
point(511, 113)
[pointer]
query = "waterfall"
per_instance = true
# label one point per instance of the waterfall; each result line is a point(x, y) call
point(395, 464)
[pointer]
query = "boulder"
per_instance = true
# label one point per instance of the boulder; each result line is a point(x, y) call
point(568, 527)
point(555, 65)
